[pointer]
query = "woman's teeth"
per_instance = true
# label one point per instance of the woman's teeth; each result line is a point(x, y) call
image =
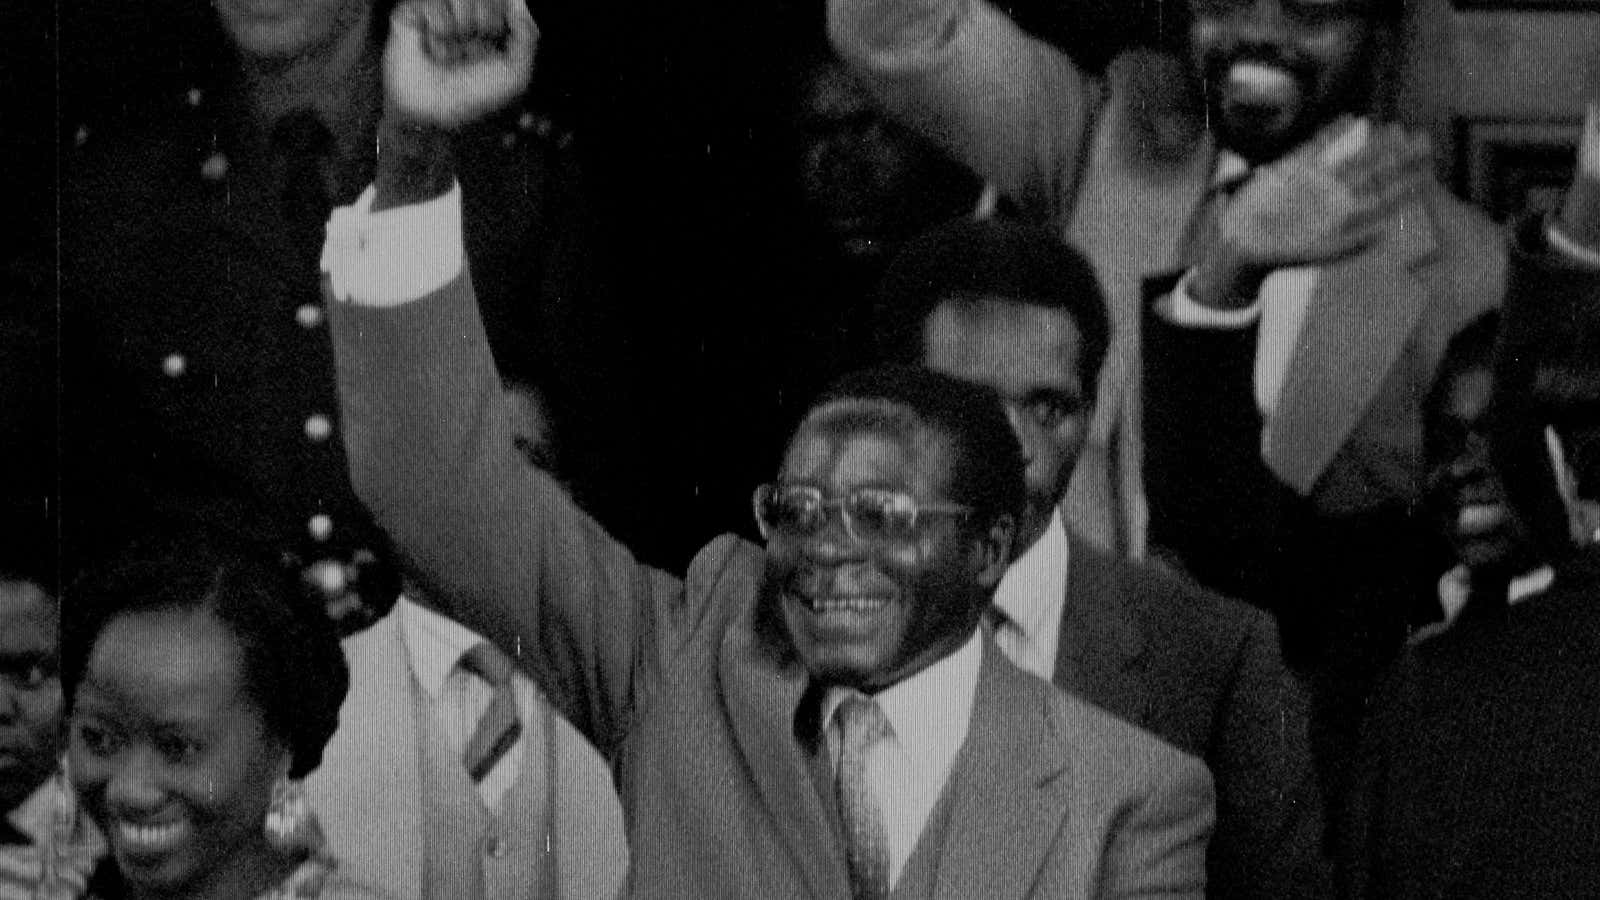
point(849, 604)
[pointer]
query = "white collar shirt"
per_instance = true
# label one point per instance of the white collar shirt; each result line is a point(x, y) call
point(929, 715)
point(457, 697)
point(1031, 597)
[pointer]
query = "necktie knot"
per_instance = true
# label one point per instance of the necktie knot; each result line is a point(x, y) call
point(487, 662)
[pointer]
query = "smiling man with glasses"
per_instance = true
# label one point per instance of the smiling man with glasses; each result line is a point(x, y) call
point(822, 717)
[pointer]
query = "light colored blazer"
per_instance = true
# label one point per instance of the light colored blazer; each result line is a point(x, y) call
point(367, 793)
point(690, 691)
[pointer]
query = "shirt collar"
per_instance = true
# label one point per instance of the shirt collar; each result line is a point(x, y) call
point(1231, 167)
point(434, 644)
point(1033, 590)
point(1455, 586)
point(930, 712)
point(32, 817)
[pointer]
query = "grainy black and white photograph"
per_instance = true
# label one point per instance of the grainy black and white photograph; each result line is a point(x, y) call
point(800, 450)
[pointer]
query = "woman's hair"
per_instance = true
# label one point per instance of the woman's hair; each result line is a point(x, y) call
point(291, 665)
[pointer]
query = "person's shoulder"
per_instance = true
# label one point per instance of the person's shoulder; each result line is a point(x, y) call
point(1119, 757)
point(1168, 601)
point(343, 887)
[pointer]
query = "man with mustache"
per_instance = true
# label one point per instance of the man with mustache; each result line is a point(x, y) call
point(1280, 288)
point(821, 717)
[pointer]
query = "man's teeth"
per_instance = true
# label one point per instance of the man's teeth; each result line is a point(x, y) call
point(1258, 76)
point(1478, 516)
point(849, 604)
point(149, 837)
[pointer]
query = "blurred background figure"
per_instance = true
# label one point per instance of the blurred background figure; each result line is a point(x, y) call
point(1476, 777)
point(201, 685)
point(41, 855)
point(196, 373)
point(1495, 559)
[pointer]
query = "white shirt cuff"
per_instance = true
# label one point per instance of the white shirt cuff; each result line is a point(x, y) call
point(395, 256)
point(1570, 248)
point(1181, 309)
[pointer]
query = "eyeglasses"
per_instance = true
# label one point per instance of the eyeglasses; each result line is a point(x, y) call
point(869, 514)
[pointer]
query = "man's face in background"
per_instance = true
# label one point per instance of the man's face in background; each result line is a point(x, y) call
point(30, 690)
point(1276, 71)
point(868, 182)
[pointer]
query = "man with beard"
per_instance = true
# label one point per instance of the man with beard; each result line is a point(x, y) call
point(823, 717)
point(1477, 776)
point(1280, 289)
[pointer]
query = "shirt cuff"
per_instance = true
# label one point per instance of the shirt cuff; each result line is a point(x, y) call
point(1181, 309)
point(394, 256)
point(1571, 249)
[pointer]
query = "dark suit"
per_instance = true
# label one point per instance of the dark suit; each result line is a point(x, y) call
point(1205, 674)
point(690, 689)
point(1477, 777)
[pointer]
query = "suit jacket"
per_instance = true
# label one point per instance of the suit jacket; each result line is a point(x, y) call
point(1205, 674)
point(1477, 776)
point(367, 792)
point(1078, 152)
point(691, 690)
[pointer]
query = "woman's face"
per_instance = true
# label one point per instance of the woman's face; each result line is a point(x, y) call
point(171, 757)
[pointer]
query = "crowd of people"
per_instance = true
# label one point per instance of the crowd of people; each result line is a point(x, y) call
point(1162, 486)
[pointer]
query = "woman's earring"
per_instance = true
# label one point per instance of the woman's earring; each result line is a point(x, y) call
point(290, 826)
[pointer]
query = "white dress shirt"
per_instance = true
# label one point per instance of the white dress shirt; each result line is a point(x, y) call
point(458, 698)
point(929, 714)
point(1031, 595)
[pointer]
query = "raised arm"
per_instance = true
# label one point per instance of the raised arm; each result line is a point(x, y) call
point(1012, 107)
point(425, 424)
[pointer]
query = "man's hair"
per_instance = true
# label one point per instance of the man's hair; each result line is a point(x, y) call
point(291, 665)
point(985, 459)
point(990, 259)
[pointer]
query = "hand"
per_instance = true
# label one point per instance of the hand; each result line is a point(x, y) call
point(1579, 218)
point(452, 62)
point(1324, 202)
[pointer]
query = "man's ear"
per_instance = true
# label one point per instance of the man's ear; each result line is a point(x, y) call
point(993, 550)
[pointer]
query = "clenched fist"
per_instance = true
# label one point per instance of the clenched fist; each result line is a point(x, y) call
point(452, 62)
point(1323, 202)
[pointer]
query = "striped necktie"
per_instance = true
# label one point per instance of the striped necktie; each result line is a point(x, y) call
point(498, 727)
point(862, 724)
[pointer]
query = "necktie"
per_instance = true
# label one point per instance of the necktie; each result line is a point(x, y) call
point(498, 727)
point(862, 724)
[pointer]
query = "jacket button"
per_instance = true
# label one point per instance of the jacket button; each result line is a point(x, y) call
point(318, 427)
point(174, 365)
point(308, 315)
point(320, 526)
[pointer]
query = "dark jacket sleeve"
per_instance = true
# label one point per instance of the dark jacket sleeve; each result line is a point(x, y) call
point(1270, 824)
point(430, 449)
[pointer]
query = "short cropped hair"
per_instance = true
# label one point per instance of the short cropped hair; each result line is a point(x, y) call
point(986, 460)
point(292, 667)
point(990, 259)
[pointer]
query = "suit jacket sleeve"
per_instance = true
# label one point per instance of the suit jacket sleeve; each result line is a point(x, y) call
point(429, 440)
point(1269, 835)
point(1012, 107)
point(1158, 849)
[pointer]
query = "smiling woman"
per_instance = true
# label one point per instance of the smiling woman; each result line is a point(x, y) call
point(201, 685)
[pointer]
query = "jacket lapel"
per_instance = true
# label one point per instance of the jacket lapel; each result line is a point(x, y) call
point(1100, 656)
point(1009, 790)
point(1356, 328)
point(367, 792)
point(763, 692)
